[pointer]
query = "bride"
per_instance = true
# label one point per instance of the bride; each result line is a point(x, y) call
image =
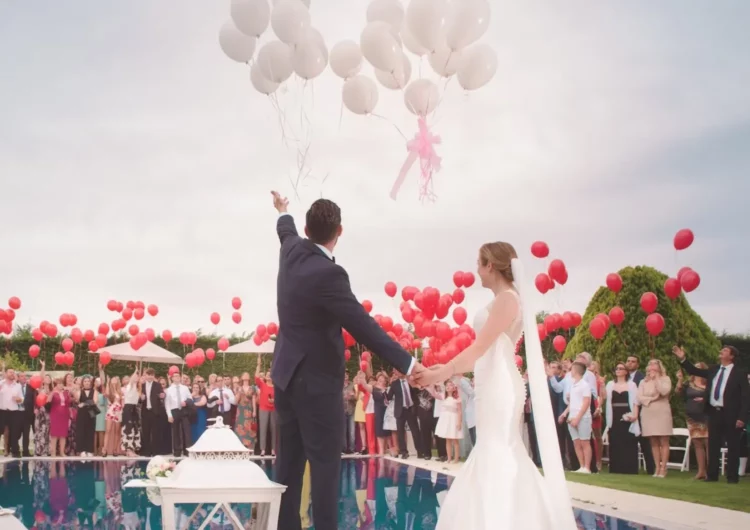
point(499, 486)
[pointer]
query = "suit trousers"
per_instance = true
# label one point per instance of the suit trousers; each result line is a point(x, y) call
point(409, 417)
point(308, 416)
point(267, 424)
point(426, 429)
point(180, 435)
point(149, 432)
point(722, 429)
point(27, 423)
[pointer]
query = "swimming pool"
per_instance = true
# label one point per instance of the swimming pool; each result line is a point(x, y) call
point(374, 494)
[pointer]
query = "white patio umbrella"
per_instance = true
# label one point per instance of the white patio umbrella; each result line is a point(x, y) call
point(249, 346)
point(149, 353)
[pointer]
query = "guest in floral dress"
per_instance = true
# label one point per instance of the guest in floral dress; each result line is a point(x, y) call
point(131, 420)
point(72, 390)
point(113, 419)
point(41, 417)
point(246, 426)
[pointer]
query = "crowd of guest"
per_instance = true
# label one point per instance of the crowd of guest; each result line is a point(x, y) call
point(136, 415)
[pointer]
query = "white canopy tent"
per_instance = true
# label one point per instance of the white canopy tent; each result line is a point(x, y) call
point(149, 353)
point(250, 347)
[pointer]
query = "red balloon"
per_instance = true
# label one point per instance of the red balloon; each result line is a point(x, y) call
point(683, 239)
point(257, 339)
point(4, 315)
point(367, 305)
point(94, 347)
point(366, 356)
point(559, 343)
point(542, 331)
point(101, 340)
point(407, 313)
point(347, 355)
point(35, 382)
point(69, 358)
point(261, 330)
point(364, 365)
point(223, 344)
point(598, 328)
point(153, 310)
point(105, 358)
point(682, 271)
point(139, 313)
point(67, 344)
point(458, 296)
point(443, 331)
point(690, 281)
point(348, 339)
point(459, 315)
point(236, 302)
point(133, 330)
point(408, 293)
point(458, 279)
point(654, 324)
point(539, 249)
point(210, 354)
point(273, 328)
point(65, 320)
point(543, 283)
point(386, 323)
point(567, 320)
point(14, 303)
point(34, 351)
point(519, 361)
point(614, 282)
point(112, 305)
point(468, 279)
point(139, 305)
point(236, 317)
point(428, 359)
point(398, 329)
point(200, 356)
point(617, 315)
point(127, 314)
point(550, 324)
point(166, 335)
point(557, 271)
point(605, 318)
point(173, 370)
point(672, 288)
point(37, 334)
point(215, 318)
point(189, 360)
point(103, 328)
point(391, 289)
point(51, 330)
point(88, 335)
point(192, 338)
point(59, 358)
point(41, 400)
point(649, 301)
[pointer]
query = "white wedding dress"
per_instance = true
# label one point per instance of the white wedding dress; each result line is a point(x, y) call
point(499, 487)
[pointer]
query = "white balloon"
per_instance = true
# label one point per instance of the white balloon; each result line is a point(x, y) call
point(251, 16)
point(425, 20)
point(389, 11)
point(275, 61)
point(379, 47)
point(346, 59)
point(290, 20)
point(236, 45)
point(306, 2)
point(411, 43)
point(310, 57)
point(397, 79)
point(421, 97)
point(360, 94)
point(478, 66)
point(444, 61)
point(466, 22)
point(261, 84)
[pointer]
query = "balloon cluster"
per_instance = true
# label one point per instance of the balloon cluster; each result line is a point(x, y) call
point(298, 48)
point(264, 332)
point(7, 316)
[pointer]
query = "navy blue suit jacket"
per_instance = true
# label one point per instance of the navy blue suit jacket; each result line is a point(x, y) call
point(314, 301)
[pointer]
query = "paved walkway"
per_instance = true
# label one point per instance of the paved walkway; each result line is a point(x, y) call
point(664, 514)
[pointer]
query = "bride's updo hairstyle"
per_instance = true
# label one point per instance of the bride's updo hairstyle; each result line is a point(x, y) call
point(499, 256)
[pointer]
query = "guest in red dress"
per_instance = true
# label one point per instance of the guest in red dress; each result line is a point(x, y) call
point(59, 418)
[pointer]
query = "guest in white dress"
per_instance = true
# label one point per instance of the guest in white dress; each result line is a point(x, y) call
point(450, 424)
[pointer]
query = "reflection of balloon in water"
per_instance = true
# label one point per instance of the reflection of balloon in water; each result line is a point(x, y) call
point(397, 79)
point(421, 97)
point(275, 61)
point(235, 44)
point(379, 46)
point(477, 67)
point(445, 62)
point(466, 22)
point(425, 19)
point(389, 11)
point(346, 59)
point(360, 94)
point(251, 16)
point(289, 20)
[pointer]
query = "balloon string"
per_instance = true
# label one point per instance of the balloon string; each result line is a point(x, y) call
point(391, 123)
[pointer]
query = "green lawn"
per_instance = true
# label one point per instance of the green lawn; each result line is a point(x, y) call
point(678, 486)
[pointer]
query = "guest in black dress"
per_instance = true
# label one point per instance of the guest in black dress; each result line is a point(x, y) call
point(86, 418)
point(377, 392)
point(622, 424)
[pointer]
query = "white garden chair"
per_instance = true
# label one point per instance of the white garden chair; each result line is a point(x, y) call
point(685, 464)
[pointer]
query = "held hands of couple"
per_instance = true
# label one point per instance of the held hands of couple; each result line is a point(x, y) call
point(423, 377)
point(279, 202)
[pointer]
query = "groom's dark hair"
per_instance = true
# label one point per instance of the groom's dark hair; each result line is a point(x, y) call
point(323, 221)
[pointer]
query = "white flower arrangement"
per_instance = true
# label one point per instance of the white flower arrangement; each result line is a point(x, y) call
point(159, 466)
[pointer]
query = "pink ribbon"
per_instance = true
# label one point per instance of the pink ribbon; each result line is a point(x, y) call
point(422, 147)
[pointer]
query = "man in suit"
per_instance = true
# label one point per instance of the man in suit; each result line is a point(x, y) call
point(152, 414)
point(727, 404)
point(554, 370)
point(314, 301)
point(636, 376)
point(27, 409)
point(405, 399)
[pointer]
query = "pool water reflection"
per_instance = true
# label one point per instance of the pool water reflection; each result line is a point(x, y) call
point(374, 494)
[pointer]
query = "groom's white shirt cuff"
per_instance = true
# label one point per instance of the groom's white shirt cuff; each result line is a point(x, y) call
point(330, 256)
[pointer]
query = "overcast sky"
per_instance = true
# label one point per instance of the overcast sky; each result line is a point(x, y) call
point(136, 159)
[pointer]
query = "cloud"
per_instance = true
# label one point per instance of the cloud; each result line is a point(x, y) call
point(136, 160)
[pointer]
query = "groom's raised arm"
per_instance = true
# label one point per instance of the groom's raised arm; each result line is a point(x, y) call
point(285, 227)
point(336, 296)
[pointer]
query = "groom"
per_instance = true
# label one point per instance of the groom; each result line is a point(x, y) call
point(314, 302)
